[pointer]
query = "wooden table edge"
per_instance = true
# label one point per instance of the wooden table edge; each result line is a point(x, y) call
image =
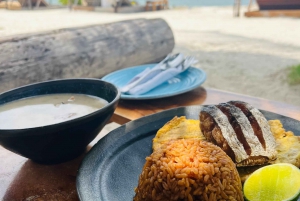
point(274, 106)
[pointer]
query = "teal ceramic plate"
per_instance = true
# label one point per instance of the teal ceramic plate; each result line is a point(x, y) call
point(189, 80)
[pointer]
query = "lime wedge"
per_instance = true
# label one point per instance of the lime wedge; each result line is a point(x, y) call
point(278, 182)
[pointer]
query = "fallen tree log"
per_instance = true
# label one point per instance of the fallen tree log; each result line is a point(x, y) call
point(89, 52)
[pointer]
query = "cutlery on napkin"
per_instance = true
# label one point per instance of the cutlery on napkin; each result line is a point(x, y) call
point(148, 79)
point(149, 73)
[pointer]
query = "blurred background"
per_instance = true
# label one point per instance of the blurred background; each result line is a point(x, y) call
point(247, 47)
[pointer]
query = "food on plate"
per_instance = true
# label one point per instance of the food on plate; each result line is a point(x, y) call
point(287, 147)
point(188, 169)
point(192, 159)
point(47, 109)
point(241, 131)
point(273, 182)
point(177, 128)
point(287, 144)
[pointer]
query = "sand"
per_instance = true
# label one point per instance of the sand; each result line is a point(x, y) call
point(243, 55)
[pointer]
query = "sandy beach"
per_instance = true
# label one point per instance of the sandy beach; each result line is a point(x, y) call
point(250, 56)
point(243, 55)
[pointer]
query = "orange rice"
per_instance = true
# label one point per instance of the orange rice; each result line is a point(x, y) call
point(189, 170)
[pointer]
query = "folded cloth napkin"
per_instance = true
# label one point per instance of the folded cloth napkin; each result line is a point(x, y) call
point(148, 73)
point(155, 81)
point(160, 74)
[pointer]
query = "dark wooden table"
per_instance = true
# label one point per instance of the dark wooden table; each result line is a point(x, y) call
point(23, 180)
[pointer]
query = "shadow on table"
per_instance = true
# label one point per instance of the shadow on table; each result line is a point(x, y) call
point(37, 182)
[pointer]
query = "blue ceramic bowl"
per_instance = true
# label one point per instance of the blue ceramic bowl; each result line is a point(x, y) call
point(63, 141)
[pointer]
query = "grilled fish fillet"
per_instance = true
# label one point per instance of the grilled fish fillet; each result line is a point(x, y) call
point(216, 128)
point(247, 142)
point(245, 134)
point(260, 127)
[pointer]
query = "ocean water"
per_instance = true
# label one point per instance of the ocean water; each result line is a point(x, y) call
point(176, 3)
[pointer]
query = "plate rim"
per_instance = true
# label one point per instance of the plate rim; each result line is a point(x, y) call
point(144, 121)
point(145, 97)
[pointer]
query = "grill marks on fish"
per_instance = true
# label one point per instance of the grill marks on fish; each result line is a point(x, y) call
point(225, 108)
point(261, 129)
point(216, 132)
point(255, 126)
point(240, 130)
point(213, 133)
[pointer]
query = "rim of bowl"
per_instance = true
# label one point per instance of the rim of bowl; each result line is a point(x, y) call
point(116, 99)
